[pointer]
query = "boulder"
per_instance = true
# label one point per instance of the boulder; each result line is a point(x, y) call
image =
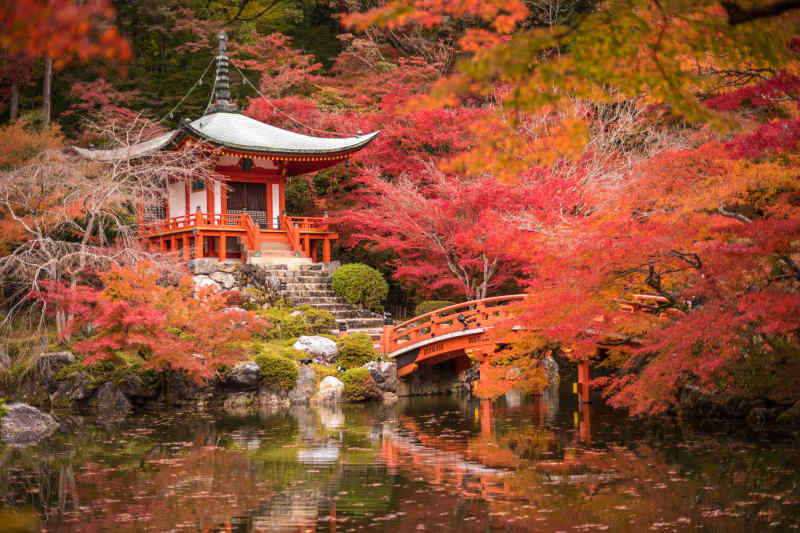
point(5, 360)
point(384, 374)
point(133, 386)
point(323, 350)
point(49, 364)
point(205, 265)
point(304, 389)
point(244, 376)
point(227, 266)
point(23, 425)
point(389, 398)
point(330, 391)
point(227, 281)
point(110, 402)
point(76, 387)
point(203, 281)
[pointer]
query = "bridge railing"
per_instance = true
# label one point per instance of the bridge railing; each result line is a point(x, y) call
point(468, 315)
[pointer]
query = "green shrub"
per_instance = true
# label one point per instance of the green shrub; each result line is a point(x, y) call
point(319, 320)
point(276, 371)
point(431, 305)
point(355, 350)
point(282, 324)
point(322, 371)
point(360, 284)
point(359, 385)
point(279, 348)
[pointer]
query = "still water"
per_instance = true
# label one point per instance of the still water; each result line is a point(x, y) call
point(437, 464)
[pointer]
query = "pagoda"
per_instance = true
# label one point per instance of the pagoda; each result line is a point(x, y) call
point(242, 215)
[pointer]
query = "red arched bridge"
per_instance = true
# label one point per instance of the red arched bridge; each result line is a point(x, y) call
point(450, 333)
point(460, 333)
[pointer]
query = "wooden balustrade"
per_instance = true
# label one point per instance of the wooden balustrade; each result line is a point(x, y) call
point(292, 233)
point(310, 224)
point(459, 317)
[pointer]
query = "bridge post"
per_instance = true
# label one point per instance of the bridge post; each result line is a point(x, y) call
point(385, 338)
point(584, 376)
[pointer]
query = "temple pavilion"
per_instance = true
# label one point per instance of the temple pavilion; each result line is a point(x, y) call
point(243, 215)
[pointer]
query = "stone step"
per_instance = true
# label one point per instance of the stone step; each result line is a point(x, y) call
point(309, 294)
point(362, 323)
point(315, 300)
point(290, 263)
point(296, 287)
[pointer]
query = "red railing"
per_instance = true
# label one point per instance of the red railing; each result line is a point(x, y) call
point(292, 233)
point(310, 224)
point(222, 221)
point(253, 232)
point(459, 317)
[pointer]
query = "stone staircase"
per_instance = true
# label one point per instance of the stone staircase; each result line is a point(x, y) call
point(277, 253)
point(310, 283)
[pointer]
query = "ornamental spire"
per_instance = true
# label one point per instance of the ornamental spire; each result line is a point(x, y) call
point(222, 93)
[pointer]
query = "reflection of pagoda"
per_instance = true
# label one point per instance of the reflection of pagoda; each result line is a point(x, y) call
point(245, 213)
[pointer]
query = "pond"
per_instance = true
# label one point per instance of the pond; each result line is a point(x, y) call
point(425, 464)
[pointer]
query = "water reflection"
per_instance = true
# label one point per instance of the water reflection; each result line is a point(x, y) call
point(523, 464)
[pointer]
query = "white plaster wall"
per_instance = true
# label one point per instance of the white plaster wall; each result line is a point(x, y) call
point(197, 198)
point(176, 196)
point(217, 197)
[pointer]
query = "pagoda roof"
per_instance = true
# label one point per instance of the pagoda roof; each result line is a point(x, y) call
point(240, 132)
point(236, 132)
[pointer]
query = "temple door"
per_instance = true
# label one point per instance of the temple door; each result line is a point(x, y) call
point(250, 198)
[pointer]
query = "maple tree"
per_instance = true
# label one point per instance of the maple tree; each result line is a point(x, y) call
point(166, 325)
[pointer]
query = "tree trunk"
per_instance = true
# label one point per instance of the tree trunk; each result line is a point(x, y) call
point(14, 106)
point(46, 90)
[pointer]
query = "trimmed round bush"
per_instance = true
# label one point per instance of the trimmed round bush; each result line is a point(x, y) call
point(431, 305)
point(276, 371)
point(355, 350)
point(360, 284)
point(359, 385)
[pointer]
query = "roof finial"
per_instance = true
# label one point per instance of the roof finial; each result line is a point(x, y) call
point(222, 96)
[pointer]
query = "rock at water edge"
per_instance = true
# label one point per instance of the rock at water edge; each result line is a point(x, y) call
point(322, 349)
point(384, 374)
point(23, 425)
point(110, 402)
point(330, 391)
point(244, 376)
point(306, 382)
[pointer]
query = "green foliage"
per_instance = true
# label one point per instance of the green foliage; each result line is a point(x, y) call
point(355, 350)
point(431, 305)
point(283, 325)
point(3, 409)
point(319, 320)
point(322, 371)
point(360, 284)
point(299, 197)
point(276, 371)
point(359, 385)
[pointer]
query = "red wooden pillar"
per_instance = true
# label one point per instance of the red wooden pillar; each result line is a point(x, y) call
point(307, 245)
point(198, 246)
point(222, 247)
point(187, 251)
point(326, 250)
point(584, 376)
point(585, 426)
point(173, 245)
point(187, 195)
point(210, 199)
point(386, 339)
point(314, 252)
point(162, 245)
